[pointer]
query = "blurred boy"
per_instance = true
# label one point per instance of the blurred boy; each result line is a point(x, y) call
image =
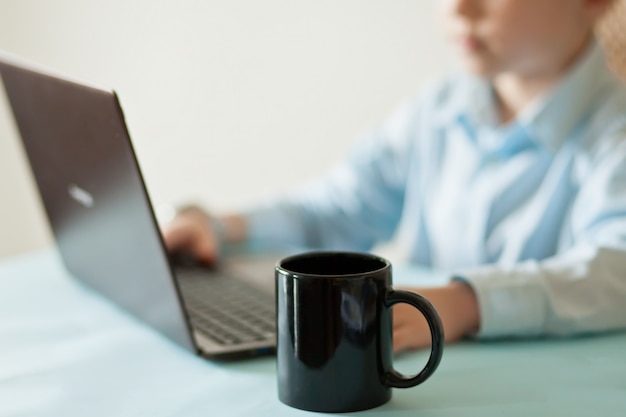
point(512, 176)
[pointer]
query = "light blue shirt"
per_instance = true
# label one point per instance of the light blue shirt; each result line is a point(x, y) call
point(532, 214)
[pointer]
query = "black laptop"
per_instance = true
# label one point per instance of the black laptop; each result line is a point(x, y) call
point(83, 162)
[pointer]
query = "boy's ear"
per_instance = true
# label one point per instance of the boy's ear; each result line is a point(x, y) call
point(595, 9)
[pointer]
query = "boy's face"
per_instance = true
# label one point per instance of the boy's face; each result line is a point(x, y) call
point(527, 37)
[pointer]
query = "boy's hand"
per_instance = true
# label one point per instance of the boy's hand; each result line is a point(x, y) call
point(457, 306)
point(191, 231)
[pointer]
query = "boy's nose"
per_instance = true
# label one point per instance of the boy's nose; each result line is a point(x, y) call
point(465, 8)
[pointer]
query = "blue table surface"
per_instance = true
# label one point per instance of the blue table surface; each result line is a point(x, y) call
point(65, 351)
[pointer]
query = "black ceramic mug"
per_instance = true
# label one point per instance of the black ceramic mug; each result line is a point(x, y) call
point(334, 324)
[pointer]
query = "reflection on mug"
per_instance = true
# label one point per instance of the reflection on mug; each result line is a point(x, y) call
point(358, 311)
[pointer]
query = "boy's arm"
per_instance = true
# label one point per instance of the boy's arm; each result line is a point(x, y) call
point(583, 291)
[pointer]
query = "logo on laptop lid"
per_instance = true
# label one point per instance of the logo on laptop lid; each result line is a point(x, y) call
point(80, 195)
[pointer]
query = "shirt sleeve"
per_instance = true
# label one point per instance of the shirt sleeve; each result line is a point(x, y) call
point(356, 205)
point(581, 290)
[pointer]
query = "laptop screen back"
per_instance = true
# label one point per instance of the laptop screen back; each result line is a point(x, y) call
point(90, 184)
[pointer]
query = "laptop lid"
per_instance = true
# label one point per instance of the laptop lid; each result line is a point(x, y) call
point(92, 190)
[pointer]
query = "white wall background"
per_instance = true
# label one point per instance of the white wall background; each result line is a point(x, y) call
point(215, 90)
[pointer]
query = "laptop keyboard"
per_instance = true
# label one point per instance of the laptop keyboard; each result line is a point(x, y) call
point(226, 309)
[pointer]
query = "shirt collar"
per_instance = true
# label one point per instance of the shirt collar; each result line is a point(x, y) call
point(549, 119)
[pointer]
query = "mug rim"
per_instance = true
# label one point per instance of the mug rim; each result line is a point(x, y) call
point(281, 269)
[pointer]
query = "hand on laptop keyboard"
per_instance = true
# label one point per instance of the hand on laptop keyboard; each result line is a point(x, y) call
point(190, 236)
point(197, 236)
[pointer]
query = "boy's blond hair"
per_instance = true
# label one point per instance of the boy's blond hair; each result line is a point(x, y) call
point(613, 36)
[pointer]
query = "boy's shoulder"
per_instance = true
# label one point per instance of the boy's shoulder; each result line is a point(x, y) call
point(606, 127)
point(601, 147)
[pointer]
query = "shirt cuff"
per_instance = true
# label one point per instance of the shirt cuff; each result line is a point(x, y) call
point(512, 301)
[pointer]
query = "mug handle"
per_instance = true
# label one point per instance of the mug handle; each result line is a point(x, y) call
point(393, 377)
